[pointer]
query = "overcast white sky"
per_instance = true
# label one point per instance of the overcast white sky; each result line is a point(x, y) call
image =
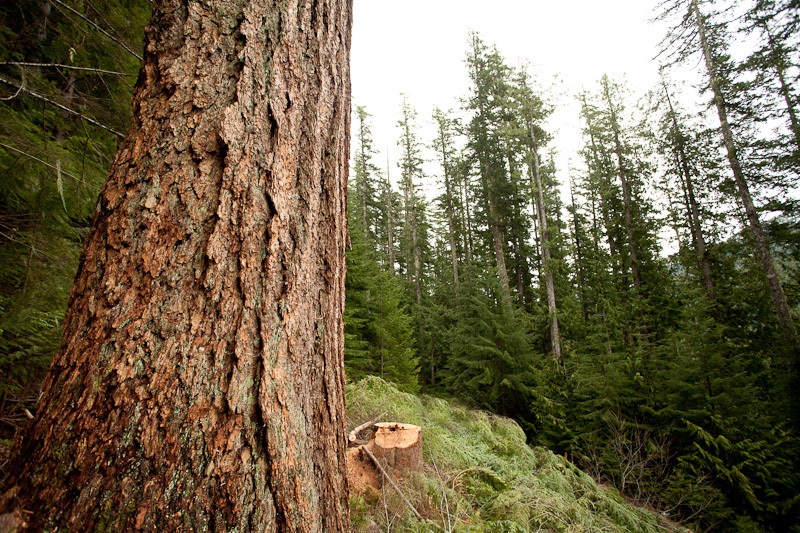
point(418, 47)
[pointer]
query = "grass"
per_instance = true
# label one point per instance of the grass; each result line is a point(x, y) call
point(481, 476)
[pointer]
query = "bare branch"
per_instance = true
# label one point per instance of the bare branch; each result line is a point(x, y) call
point(62, 107)
point(19, 89)
point(67, 174)
point(392, 483)
point(352, 438)
point(101, 30)
point(12, 239)
point(71, 67)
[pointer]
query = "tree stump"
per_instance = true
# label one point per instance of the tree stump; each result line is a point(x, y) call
point(398, 446)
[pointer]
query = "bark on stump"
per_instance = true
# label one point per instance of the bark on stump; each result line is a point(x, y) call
point(398, 446)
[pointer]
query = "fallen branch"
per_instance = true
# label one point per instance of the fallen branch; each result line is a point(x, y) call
point(19, 89)
point(394, 485)
point(352, 438)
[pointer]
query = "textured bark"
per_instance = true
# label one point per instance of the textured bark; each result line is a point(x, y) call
point(200, 384)
point(536, 187)
point(762, 246)
point(398, 446)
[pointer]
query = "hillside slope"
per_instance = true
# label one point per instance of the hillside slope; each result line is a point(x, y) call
point(481, 476)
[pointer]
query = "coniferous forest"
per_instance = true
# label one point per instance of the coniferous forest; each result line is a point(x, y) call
point(638, 318)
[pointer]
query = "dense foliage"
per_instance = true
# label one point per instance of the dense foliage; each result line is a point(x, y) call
point(633, 328)
point(67, 71)
point(623, 319)
point(480, 475)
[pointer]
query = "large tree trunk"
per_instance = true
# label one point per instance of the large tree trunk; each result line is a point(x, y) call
point(200, 384)
point(773, 282)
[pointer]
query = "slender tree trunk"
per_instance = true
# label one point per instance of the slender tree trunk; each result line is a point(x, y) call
point(538, 191)
point(626, 190)
point(491, 201)
point(389, 218)
point(467, 222)
point(776, 290)
point(364, 179)
point(417, 258)
point(604, 207)
point(407, 247)
point(516, 239)
point(411, 218)
point(578, 253)
point(497, 235)
point(200, 383)
point(451, 225)
point(695, 220)
point(536, 235)
point(780, 70)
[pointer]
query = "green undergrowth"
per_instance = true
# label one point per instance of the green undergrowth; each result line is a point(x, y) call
point(480, 475)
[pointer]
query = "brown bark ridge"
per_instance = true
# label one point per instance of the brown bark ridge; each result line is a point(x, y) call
point(762, 246)
point(200, 384)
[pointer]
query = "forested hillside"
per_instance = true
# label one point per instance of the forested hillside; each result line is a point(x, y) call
point(639, 317)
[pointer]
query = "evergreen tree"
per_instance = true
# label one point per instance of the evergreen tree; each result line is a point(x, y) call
point(379, 330)
point(699, 33)
point(365, 184)
point(66, 76)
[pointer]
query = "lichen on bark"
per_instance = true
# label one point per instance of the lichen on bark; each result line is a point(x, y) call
point(195, 388)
